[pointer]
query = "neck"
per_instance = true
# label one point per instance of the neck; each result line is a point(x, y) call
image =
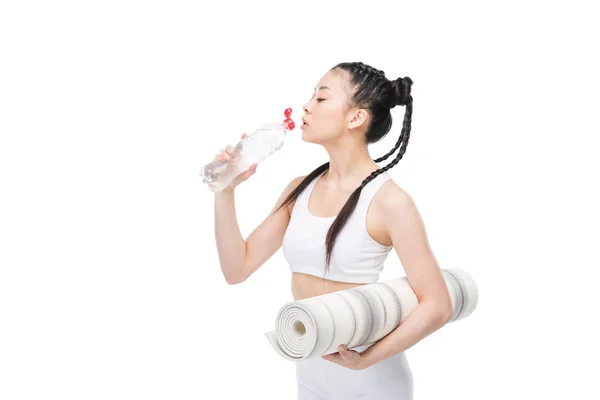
point(349, 160)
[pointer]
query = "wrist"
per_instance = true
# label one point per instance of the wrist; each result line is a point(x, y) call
point(368, 358)
point(365, 362)
point(225, 192)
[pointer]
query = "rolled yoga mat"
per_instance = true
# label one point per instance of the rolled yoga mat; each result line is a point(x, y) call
point(358, 316)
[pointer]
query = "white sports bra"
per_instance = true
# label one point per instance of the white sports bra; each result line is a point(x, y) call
point(356, 256)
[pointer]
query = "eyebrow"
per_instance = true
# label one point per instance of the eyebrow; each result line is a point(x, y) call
point(323, 87)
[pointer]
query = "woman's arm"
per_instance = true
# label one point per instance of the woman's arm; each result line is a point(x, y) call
point(407, 233)
point(240, 258)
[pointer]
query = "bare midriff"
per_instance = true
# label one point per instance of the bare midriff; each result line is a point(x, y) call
point(305, 285)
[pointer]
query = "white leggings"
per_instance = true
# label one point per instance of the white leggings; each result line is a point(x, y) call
point(320, 379)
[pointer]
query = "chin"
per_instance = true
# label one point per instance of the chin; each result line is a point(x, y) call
point(307, 137)
point(310, 137)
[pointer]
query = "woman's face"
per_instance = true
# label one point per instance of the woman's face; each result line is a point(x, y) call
point(326, 113)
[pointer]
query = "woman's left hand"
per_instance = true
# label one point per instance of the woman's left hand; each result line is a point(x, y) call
point(347, 358)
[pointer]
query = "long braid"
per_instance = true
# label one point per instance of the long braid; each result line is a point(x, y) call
point(405, 133)
point(402, 142)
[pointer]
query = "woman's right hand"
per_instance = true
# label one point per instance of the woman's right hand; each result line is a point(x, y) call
point(225, 155)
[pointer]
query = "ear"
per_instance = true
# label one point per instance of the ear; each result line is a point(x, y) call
point(357, 118)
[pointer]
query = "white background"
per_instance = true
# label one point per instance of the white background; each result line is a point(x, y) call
point(110, 286)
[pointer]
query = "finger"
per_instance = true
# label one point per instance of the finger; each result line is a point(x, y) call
point(250, 171)
point(333, 358)
point(244, 135)
point(347, 354)
point(246, 175)
point(349, 357)
point(229, 149)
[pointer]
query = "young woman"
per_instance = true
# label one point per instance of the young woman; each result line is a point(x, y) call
point(337, 226)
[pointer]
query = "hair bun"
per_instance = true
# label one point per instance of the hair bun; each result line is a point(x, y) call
point(402, 90)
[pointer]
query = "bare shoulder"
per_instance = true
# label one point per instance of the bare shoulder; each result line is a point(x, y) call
point(395, 204)
point(390, 196)
point(296, 181)
point(293, 184)
point(402, 220)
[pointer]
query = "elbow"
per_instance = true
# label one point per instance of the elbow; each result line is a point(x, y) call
point(446, 315)
point(440, 311)
point(234, 280)
point(446, 312)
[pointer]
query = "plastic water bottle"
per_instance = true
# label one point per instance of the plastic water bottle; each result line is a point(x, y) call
point(252, 149)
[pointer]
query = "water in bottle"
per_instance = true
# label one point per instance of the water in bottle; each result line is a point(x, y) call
point(252, 149)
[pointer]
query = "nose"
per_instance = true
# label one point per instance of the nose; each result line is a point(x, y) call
point(305, 107)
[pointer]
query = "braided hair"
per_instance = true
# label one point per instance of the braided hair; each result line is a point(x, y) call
point(374, 92)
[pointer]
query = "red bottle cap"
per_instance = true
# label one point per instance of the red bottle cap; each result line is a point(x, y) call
point(288, 121)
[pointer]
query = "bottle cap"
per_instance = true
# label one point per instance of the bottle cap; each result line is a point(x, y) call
point(288, 121)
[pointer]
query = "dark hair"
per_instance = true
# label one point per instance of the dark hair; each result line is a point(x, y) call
point(371, 90)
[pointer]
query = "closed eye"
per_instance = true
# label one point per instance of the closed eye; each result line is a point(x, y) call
point(320, 100)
